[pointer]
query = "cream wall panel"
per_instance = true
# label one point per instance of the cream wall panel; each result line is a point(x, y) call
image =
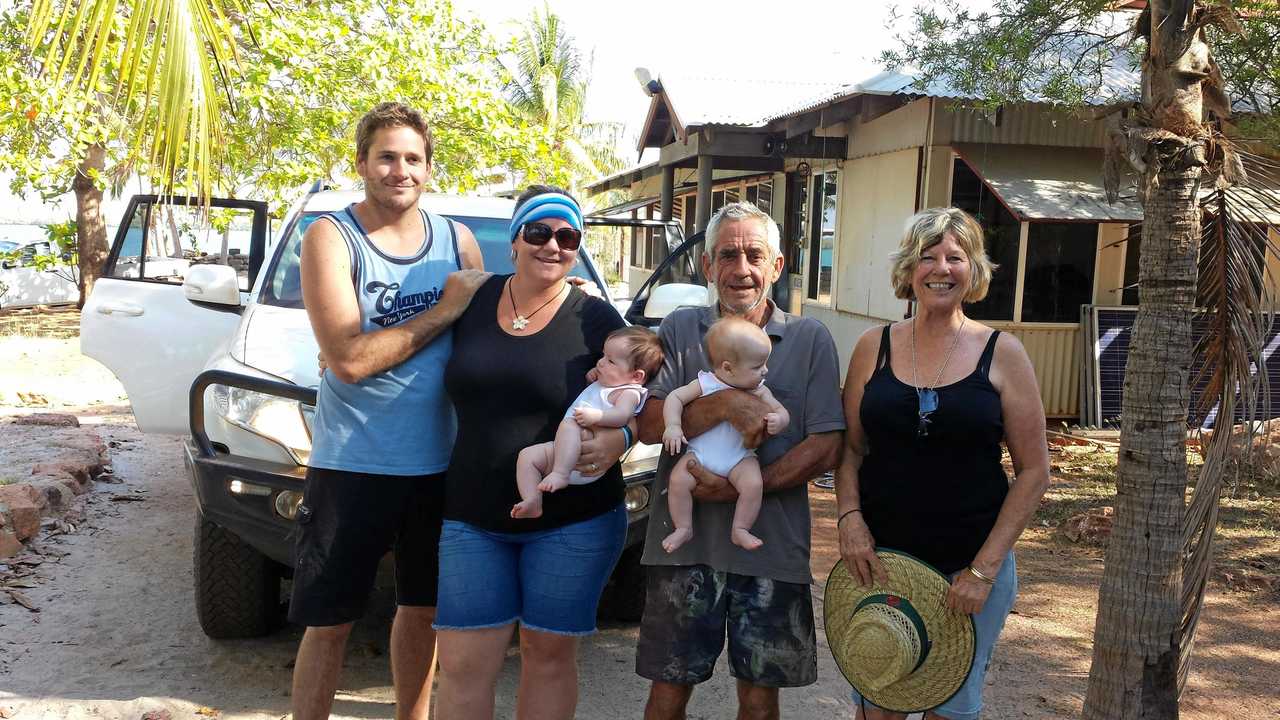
point(938, 170)
point(845, 329)
point(903, 128)
point(1273, 264)
point(1108, 279)
point(877, 197)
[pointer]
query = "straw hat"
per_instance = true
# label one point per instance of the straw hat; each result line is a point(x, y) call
point(897, 643)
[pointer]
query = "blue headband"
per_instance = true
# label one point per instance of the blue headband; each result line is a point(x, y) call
point(547, 205)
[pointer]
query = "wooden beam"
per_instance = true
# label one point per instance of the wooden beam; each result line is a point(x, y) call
point(878, 105)
point(819, 117)
point(666, 199)
point(808, 146)
point(706, 169)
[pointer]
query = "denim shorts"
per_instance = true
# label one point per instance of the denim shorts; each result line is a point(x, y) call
point(966, 704)
point(548, 580)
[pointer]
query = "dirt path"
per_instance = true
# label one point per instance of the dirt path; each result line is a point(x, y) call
point(116, 635)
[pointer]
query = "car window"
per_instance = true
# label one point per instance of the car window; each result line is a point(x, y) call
point(283, 286)
point(161, 241)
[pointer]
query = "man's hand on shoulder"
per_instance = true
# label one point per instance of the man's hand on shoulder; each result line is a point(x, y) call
point(586, 286)
point(460, 287)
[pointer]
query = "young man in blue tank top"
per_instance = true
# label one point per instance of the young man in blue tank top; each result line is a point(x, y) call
point(382, 282)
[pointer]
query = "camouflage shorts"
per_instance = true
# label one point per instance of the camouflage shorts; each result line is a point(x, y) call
point(689, 611)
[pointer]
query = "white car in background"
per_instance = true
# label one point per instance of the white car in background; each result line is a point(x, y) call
point(201, 319)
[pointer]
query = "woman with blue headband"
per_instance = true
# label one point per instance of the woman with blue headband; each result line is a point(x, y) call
point(521, 354)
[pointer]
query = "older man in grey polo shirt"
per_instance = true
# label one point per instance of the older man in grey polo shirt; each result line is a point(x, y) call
point(710, 588)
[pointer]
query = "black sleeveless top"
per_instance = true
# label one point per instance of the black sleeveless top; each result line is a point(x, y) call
point(510, 392)
point(935, 497)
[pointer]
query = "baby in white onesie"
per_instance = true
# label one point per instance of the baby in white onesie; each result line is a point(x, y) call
point(616, 394)
point(739, 351)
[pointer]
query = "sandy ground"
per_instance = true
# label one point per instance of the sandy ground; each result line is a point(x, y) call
point(116, 634)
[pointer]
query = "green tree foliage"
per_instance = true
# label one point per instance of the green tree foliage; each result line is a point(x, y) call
point(548, 89)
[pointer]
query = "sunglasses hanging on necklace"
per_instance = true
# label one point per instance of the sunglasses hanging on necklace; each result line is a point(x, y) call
point(927, 397)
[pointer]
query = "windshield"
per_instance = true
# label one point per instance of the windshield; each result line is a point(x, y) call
point(283, 285)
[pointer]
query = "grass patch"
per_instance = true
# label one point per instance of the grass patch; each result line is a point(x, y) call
point(1248, 534)
point(58, 323)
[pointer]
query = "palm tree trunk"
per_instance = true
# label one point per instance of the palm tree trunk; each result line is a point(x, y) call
point(91, 226)
point(1137, 636)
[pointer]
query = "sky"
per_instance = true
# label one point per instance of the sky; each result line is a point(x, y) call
point(806, 40)
point(802, 40)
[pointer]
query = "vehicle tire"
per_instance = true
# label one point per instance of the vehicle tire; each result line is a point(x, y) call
point(623, 597)
point(237, 588)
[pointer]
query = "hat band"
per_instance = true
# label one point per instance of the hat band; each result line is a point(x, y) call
point(904, 606)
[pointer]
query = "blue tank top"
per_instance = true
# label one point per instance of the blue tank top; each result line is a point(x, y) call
point(400, 421)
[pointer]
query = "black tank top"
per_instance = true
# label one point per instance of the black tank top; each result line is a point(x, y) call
point(935, 497)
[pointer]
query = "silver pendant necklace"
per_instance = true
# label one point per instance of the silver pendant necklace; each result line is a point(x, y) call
point(520, 322)
point(927, 397)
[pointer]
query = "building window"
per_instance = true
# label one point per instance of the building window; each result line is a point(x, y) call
point(823, 237)
point(690, 214)
point(1001, 231)
point(764, 197)
point(1059, 273)
point(717, 201)
point(795, 228)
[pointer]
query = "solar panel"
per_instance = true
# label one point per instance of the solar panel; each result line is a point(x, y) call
point(1110, 340)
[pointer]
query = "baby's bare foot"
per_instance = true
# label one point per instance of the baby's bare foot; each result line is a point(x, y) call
point(527, 509)
point(554, 481)
point(672, 542)
point(745, 540)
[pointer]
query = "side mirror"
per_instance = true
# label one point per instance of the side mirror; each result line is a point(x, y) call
point(665, 298)
point(217, 284)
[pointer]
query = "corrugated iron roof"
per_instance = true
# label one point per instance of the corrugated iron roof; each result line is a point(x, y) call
point(742, 102)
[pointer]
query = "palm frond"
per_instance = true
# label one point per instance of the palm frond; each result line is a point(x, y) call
point(1238, 303)
point(172, 61)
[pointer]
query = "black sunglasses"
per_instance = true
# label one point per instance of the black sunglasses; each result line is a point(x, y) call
point(928, 399)
point(536, 233)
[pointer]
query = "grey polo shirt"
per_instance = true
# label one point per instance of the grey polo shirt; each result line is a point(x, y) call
point(804, 376)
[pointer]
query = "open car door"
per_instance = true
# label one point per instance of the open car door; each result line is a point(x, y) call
point(175, 282)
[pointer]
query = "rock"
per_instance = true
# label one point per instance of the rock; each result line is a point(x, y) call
point(9, 544)
point(1091, 527)
point(57, 491)
point(23, 505)
point(50, 419)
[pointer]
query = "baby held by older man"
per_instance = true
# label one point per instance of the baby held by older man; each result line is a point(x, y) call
point(739, 353)
point(616, 394)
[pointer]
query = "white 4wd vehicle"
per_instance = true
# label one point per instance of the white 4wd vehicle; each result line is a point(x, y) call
point(192, 301)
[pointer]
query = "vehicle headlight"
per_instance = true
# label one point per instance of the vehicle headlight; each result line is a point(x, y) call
point(274, 418)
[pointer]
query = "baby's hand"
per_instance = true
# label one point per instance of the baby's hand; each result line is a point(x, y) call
point(673, 439)
point(587, 416)
point(773, 423)
point(593, 375)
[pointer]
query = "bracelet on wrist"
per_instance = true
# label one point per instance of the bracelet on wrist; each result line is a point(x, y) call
point(846, 514)
point(626, 438)
point(978, 574)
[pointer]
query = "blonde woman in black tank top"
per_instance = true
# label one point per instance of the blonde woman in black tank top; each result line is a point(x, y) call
point(928, 401)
